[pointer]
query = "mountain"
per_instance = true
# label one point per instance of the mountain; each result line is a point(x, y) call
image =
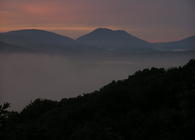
point(38, 40)
point(101, 40)
point(5, 47)
point(187, 44)
point(114, 40)
point(155, 104)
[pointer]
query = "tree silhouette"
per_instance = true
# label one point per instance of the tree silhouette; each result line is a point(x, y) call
point(151, 104)
point(3, 117)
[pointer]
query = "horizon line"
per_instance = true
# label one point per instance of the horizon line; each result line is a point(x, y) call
point(89, 29)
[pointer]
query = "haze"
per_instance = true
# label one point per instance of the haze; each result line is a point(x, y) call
point(25, 77)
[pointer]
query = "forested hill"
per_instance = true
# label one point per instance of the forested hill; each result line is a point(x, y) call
point(154, 104)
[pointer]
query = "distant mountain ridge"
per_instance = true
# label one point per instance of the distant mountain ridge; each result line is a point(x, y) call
point(114, 40)
point(186, 44)
point(99, 40)
point(108, 34)
point(38, 40)
point(5, 47)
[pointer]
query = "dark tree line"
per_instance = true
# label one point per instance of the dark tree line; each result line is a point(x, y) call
point(154, 104)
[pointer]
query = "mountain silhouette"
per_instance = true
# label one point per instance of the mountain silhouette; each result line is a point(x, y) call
point(38, 40)
point(114, 40)
point(5, 47)
point(187, 44)
point(98, 41)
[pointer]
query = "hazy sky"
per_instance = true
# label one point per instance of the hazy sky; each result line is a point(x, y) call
point(152, 20)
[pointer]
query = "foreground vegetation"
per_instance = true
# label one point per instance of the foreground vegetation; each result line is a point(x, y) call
point(154, 104)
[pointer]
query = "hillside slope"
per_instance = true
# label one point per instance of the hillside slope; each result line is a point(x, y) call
point(39, 40)
point(187, 44)
point(151, 104)
point(114, 40)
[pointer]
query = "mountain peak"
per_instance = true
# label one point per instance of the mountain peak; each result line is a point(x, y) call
point(102, 30)
point(115, 40)
point(190, 38)
point(35, 32)
point(39, 40)
point(107, 30)
point(28, 31)
point(105, 33)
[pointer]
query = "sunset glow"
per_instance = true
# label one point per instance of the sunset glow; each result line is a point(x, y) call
point(164, 20)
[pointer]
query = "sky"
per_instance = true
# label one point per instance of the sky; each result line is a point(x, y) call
point(152, 20)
